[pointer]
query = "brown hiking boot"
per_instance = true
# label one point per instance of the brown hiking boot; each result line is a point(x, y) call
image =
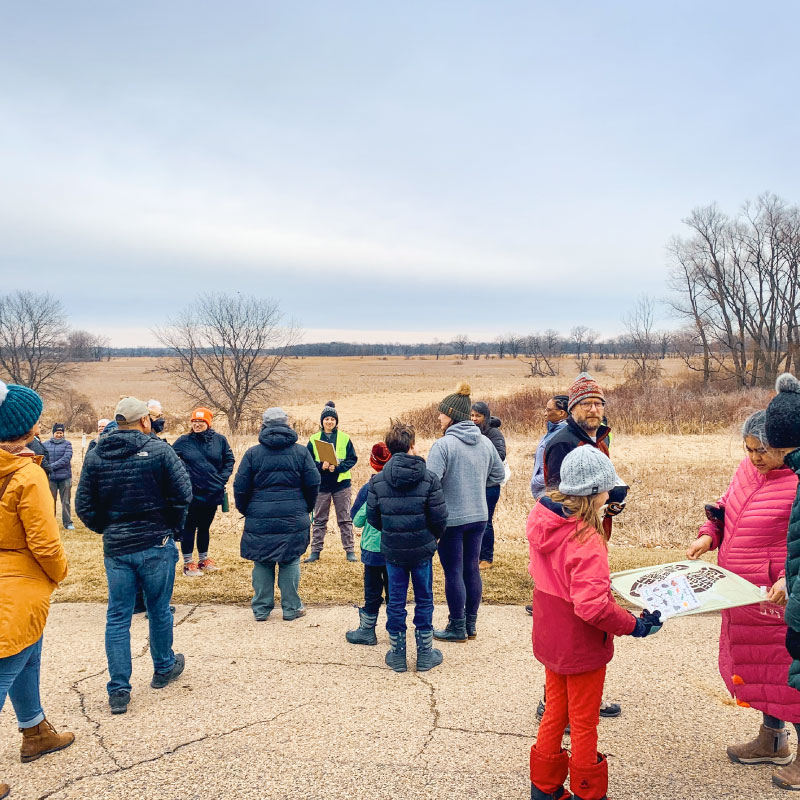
point(771, 746)
point(42, 739)
point(4, 790)
point(788, 777)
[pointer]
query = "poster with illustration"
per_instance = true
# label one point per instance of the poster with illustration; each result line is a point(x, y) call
point(684, 587)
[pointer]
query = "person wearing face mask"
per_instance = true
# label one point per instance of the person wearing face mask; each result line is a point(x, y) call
point(747, 526)
point(157, 420)
point(209, 460)
point(335, 486)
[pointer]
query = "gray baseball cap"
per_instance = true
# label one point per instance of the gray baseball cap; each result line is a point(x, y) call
point(130, 409)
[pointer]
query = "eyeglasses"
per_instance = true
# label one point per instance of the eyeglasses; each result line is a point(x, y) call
point(589, 404)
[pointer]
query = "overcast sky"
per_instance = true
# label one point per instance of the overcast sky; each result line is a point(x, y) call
point(385, 171)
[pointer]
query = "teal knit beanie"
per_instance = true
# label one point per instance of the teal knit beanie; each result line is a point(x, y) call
point(20, 408)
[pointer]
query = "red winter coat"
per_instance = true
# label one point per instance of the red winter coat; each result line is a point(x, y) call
point(575, 616)
point(753, 660)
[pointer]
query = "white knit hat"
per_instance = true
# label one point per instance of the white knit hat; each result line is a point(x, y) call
point(587, 471)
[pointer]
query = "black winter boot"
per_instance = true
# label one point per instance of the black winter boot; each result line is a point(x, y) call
point(428, 656)
point(396, 657)
point(456, 631)
point(472, 626)
point(365, 632)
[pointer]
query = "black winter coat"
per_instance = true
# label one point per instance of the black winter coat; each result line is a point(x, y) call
point(406, 504)
point(276, 488)
point(134, 490)
point(209, 460)
point(492, 433)
point(38, 448)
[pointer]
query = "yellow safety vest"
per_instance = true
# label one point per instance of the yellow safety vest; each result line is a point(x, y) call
point(342, 440)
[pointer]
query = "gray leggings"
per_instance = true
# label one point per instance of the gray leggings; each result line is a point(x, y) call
point(778, 724)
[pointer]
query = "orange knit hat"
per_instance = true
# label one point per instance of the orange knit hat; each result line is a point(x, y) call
point(202, 415)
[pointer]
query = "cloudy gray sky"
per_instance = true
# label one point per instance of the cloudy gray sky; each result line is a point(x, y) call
point(385, 171)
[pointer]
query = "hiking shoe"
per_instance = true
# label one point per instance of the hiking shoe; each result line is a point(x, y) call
point(609, 710)
point(119, 701)
point(313, 556)
point(69, 527)
point(484, 565)
point(456, 631)
point(4, 790)
point(208, 565)
point(788, 777)
point(296, 615)
point(191, 570)
point(351, 556)
point(42, 739)
point(161, 679)
point(771, 746)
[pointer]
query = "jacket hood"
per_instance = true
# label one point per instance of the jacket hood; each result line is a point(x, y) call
point(122, 444)
point(556, 426)
point(10, 463)
point(552, 526)
point(494, 422)
point(467, 431)
point(404, 471)
point(277, 436)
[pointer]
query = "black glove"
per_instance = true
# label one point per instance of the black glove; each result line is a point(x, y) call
point(793, 643)
point(648, 624)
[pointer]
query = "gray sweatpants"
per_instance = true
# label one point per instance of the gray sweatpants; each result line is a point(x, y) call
point(341, 503)
point(63, 488)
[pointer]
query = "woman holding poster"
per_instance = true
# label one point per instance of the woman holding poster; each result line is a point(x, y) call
point(748, 526)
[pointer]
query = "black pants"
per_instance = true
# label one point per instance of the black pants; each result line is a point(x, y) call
point(376, 588)
point(198, 520)
point(487, 543)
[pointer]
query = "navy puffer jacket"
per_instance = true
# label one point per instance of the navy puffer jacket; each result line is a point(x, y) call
point(209, 460)
point(275, 488)
point(406, 504)
point(59, 453)
point(134, 490)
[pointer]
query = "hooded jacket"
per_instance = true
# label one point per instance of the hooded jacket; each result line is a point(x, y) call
point(275, 489)
point(575, 616)
point(792, 613)
point(209, 460)
point(565, 441)
point(36, 445)
point(466, 462)
point(133, 490)
point(32, 558)
point(59, 452)
point(752, 543)
point(406, 504)
point(537, 479)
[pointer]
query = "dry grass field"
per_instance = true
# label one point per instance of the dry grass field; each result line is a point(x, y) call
point(671, 478)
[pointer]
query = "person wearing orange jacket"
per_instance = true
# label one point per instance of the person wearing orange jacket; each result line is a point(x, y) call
point(32, 564)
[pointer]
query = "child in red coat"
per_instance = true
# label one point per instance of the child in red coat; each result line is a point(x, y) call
point(575, 620)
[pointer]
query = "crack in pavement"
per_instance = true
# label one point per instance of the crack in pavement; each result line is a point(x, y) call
point(209, 736)
point(434, 714)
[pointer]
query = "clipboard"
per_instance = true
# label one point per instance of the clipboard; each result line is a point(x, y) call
point(326, 452)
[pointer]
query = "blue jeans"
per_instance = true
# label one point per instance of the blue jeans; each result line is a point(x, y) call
point(459, 549)
point(422, 580)
point(487, 543)
point(264, 588)
point(19, 679)
point(154, 570)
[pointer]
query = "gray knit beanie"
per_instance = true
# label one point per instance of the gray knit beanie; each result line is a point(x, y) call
point(273, 416)
point(587, 471)
point(783, 413)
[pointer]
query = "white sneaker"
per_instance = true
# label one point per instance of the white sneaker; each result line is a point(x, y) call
point(191, 570)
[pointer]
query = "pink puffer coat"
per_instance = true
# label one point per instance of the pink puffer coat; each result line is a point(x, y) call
point(753, 660)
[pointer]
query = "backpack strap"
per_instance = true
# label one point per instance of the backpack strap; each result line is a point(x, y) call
point(5, 482)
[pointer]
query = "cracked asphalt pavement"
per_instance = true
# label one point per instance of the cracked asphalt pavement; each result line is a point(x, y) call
point(290, 710)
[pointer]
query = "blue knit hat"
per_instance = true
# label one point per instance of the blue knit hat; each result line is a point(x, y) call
point(20, 408)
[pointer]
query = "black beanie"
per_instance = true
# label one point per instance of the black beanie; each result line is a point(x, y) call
point(783, 413)
point(329, 411)
point(58, 426)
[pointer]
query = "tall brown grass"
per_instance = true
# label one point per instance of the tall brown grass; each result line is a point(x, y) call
point(631, 408)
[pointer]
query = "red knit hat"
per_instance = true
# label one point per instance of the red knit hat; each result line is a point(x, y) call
point(379, 456)
point(202, 415)
point(585, 386)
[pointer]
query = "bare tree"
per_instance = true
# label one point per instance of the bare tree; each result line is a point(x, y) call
point(437, 348)
point(500, 346)
point(514, 343)
point(229, 352)
point(85, 346)
point(33, 347)
point(543, 353)
point(460, 342)
point(639, 323)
